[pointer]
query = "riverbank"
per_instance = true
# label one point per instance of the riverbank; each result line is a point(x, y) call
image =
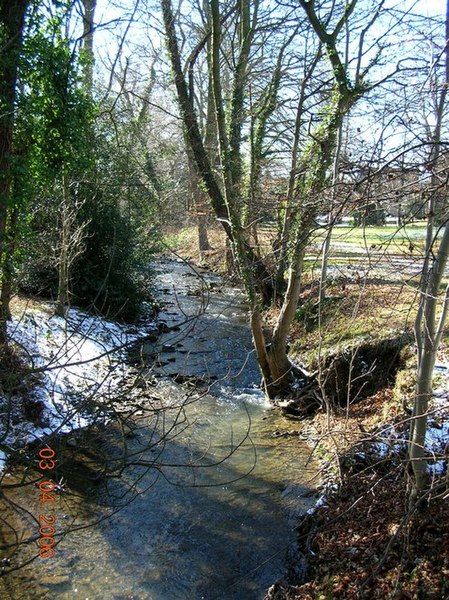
point(362, 541)
point(60, 374)
point(365, 541)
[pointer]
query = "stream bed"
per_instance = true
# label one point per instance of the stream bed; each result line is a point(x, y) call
point(216, 480)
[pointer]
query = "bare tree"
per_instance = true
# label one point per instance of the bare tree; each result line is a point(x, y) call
point(347, 88)
point(71, 243)
point(89, 7)
point(432, 311)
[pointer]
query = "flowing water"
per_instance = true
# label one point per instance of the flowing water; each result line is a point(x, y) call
point(216, 490)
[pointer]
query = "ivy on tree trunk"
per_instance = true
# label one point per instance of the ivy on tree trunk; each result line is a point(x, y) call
point(12, 16)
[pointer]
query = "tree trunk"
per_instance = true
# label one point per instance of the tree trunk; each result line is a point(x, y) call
point(281, 367)
point(63, 283)
point(429, 329)
point(423, 395)
point(88, 42)
point(8, 266)
point(229, 256)
point(203, 239)
point(320, 157)
point(327, 241)
point(222, 201)
point(227, 193)
point(199, 204)
point(260, 346)
point(289, 211)
point(12, 15)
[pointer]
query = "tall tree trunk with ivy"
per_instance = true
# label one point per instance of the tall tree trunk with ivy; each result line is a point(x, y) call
point(290, 207)
point(12, 16)
point(315, 161)
point(89, 7)
point(318, 157)
point(330, 220)
point(62, 303)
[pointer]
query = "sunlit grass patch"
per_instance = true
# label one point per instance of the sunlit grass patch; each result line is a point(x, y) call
point(351, 312)
point(402, 239)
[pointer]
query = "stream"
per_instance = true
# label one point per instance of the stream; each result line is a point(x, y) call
point(207, 510)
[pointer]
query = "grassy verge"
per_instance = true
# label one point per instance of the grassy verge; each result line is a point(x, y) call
point(348, 245)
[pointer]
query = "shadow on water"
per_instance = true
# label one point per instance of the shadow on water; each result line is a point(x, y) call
point(174, 541)
point(219, 541)
point(208, 497)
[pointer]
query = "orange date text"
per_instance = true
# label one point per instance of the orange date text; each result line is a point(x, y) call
point(46, 488)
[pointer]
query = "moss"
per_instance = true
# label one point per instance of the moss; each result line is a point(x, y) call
point(176, 240)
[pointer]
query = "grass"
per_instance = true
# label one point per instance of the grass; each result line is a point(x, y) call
point(346, 241)
point(352, 312)
point(178, 240)
point(399, 239)
point(407, 241)
point(356, 307)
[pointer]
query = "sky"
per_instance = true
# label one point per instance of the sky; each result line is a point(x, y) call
point(108, 35)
